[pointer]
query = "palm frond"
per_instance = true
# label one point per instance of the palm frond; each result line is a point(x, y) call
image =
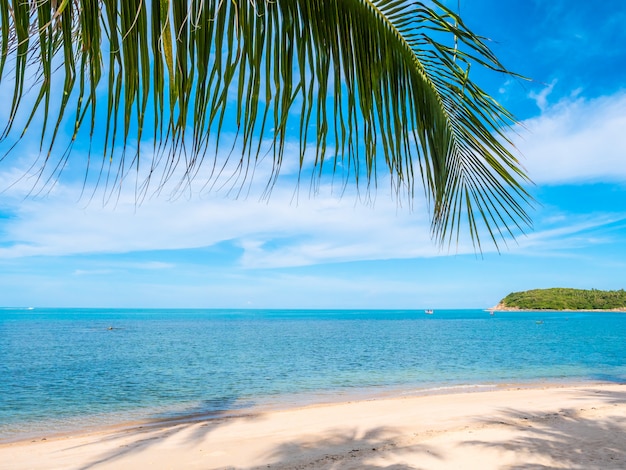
point(366, 84)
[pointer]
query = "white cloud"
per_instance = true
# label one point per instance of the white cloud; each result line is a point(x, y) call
point(92, 272)
point(114, 267)
point(577, 141)
point(541, 98)
point(565, 234)
point(275, 233)
point(574, 141)
point(293, 228)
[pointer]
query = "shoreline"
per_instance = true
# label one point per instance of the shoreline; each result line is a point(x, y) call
point(156, 418)
point(499, 308)
point(433, 430)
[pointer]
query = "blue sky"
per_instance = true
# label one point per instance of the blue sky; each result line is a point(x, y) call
point(210, 250)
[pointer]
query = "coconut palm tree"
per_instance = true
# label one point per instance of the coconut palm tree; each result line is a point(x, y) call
point(371, 87)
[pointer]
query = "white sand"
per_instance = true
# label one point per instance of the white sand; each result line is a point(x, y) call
point(573, 427)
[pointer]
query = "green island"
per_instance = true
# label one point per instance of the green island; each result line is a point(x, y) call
point(564, 299)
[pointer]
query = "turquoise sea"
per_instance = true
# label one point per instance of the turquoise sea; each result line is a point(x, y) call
point(70, 368)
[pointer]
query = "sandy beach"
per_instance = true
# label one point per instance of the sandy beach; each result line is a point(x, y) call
point(545, 427)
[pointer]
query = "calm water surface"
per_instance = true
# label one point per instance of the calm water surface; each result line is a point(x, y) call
point(63, 368)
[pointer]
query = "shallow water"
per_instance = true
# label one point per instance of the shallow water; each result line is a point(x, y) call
point(68, 368)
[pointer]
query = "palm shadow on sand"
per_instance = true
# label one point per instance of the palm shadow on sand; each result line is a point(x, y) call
point(350, 450)
point(571, 438)
point(191, 427)
point(345, 448)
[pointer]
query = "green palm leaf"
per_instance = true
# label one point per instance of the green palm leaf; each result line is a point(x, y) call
point(368, 85)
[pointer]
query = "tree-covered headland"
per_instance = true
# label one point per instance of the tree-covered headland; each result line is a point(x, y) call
point(565, 299)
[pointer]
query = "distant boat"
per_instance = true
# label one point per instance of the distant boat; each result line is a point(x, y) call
point(429, 312)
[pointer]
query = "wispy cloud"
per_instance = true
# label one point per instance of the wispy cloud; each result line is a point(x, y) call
point(541, 97)
point(566, 232)
point(92, 272)
point(116, 267)
point(280, 232)
point(576, 140)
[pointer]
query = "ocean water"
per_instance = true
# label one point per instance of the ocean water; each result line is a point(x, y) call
point(73, 368)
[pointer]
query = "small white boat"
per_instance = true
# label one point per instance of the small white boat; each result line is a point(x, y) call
point(429, 312)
